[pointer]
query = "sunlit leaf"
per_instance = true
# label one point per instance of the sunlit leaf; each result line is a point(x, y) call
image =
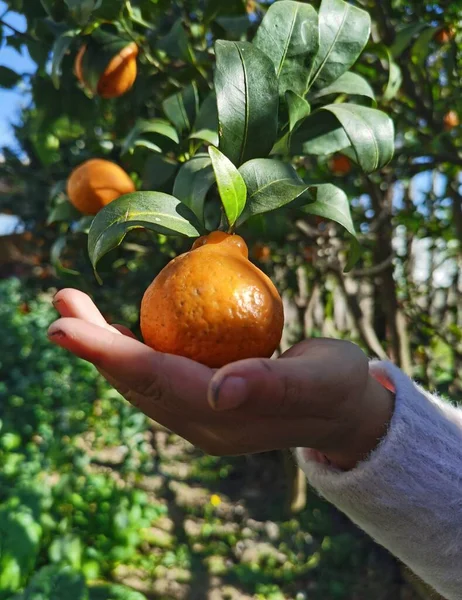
point(299, 109)
point(231, 185)
point(157, 127)
point(335, 127)
point(271, 184)
point(248, 101)
point(289, 35)
point(344, 33)
point(350, 84)
point(370, 132)
point(151, 210)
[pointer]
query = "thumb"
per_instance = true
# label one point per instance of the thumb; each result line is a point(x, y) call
point(309, 376)
point(265, 387)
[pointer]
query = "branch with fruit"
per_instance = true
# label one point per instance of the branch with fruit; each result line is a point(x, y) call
point(288, 93)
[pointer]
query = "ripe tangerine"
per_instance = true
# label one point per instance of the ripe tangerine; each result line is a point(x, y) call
point(451, 120)
point(445, 35)
point(340, 165)
point(96, 183)
point(118, 77)
point(213, 305)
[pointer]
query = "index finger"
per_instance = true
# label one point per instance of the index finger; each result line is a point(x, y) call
point(171, 381)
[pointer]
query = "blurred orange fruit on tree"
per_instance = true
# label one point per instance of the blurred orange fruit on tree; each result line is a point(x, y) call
point(451, 120)
point(340, 165)
point(96, 183)
point(107, 65)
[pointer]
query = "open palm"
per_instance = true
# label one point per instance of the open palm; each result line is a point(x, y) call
point(313, 396)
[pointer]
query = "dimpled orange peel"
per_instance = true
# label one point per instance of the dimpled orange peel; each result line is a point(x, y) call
point(213, 305)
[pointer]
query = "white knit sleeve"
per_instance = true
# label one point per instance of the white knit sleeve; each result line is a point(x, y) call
point(408, 494)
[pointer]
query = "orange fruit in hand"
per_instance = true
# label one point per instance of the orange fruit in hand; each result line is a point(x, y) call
point(340, 165)
point(213, 305)
point(96, 183)
point(118, 77)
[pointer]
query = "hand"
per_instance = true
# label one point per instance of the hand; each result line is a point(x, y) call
point(318, 395)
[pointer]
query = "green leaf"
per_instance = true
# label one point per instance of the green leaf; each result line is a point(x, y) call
point(20, 534)
point(151, 210)
point(289, 35)
point(350, 84)
point(248, 101)
point(8, 78)
point(144, 127)
point(271, 184)
point(56, 9)
point(206, 125)
point(55, 257)
point(55, 583)
point(299, 109)
point(176, 43)
point(395, 81)
point(114, 592)
point(344, 32)
point(395, 78)
point(420, 49)
point(67, 549)
point(236, 27)
point(64, 211)
point(110, 10)
point(182, 108)
point(231, 185)
point(146, 144)
point(158, 173)
point(193, 183)
point(330, 202)
point(83, 225)
point(60, 49)
point(370, 132)
point(81, 9)
point(321, 133)
point(404, 38)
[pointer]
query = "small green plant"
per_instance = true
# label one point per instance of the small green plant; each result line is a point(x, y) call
point(52, 509)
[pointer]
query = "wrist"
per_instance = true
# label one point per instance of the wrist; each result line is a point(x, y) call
point(374, 417)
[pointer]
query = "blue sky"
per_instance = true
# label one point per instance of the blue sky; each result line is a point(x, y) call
point(11, 101)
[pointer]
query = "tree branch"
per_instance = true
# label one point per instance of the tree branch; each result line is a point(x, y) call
point(23, 34)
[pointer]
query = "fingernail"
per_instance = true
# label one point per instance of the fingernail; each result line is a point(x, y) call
point(55, 333)
point(56, 302)
point(228, 393)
